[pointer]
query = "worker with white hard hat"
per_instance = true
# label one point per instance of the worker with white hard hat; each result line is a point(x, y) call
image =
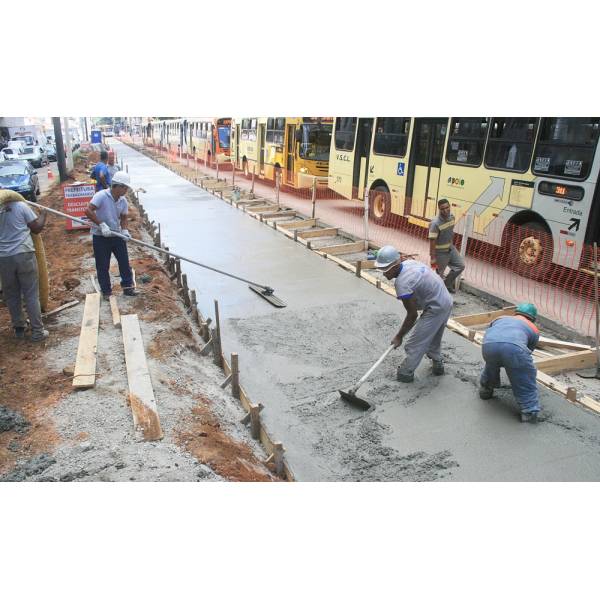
point(108, 212)
point(420, 289)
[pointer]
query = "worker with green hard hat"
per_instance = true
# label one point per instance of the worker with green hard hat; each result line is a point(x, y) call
point(509, 342)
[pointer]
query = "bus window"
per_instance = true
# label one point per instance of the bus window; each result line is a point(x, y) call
point(466, 141)
point(252, 130)
point(275, 129)
point(566, 146)
point(510, 144)
point(316, 141)
point(391, 136)
point(345, 128)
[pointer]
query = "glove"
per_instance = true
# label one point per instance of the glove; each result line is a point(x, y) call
point(105, 230)
point(434, 265)
point(126, 233)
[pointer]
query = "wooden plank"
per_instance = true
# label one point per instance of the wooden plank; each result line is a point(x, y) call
point(459, 328)
point(342, 248)
point(85, 365)
point(325, 232)
point(553, 384)
point(486, 317)
point(60, 308)
point(567, 362)
point(114, 309)
point(279, 214)
point(141, 394)
point(550, 343)
point(261, 208)
point(299, 224)
point(342, 263)
point(367, 264)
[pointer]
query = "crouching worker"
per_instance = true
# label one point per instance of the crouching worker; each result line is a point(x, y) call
point(508, 342)
point(108, 212)
point(419, 288)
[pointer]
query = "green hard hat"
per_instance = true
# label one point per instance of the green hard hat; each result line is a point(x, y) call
point(527, 309)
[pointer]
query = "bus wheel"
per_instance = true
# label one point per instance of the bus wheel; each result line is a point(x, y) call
point(380, 205)
point(531, 250)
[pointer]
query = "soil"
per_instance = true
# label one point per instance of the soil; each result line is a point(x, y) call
point(48, 432)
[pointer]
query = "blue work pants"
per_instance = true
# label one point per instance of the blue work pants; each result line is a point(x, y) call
point(103, 248)
point(519, 367)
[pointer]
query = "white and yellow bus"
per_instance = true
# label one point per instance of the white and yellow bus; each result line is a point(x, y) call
point(515, 175)
point(293, 146)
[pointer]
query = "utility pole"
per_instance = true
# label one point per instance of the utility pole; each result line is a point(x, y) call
point(68, 145)
point(60, 149)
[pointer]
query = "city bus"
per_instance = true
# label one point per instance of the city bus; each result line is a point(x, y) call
point(210, 137)
point(530, 183)
point(295, 147)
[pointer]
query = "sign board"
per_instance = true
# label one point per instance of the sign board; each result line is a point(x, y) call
point(76, 198)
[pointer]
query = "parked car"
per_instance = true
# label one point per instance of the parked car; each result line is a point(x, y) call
point(18, 144)
point(12, 153)
point(36, 155)
point(20, 176)
point(51, 152)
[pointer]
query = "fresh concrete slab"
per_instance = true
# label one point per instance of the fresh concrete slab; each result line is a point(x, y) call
point(293, 360)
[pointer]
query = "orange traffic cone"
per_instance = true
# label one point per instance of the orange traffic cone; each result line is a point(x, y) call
point(50, 173)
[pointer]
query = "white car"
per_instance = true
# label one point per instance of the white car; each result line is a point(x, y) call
point(13, 153)
point(36, 155)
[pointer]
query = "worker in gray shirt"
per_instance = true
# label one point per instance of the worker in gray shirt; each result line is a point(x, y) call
point(442, 251)
point(419, 289)
point(18, 264)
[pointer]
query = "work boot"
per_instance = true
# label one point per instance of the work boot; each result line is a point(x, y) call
point(437, 367)
point(39, 336)
point(405, 377)
point(130, 292)
point(20, 333)
point(485, 393)
point(529, 417)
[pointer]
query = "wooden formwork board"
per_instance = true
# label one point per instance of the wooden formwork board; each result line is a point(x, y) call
point(114, 310)
point(85, 365)
point(298, 224)
point(485, 317)
point(350, 248)
point(261, 208)
point(278, 214)
point(141, 393)
point(325, 232)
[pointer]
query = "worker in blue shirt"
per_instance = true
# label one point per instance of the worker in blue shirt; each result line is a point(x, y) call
point(101, 173)
point(509, 342)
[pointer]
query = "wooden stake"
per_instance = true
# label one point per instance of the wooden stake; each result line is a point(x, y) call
point(358, 268)
point(255, 421)
point(235, 376)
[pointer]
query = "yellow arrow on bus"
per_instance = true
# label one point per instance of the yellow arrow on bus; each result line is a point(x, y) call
point(490, 202)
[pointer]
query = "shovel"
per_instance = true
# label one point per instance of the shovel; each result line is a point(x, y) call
point(351, 397)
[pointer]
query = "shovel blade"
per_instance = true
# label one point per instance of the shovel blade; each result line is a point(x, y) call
point(354, 400)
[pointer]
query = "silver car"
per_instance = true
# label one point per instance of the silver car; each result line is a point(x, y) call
point(36, 155)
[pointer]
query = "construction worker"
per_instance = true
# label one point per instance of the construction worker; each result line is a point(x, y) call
point(111, 166)
point(18, 264)
point(442, 251)
point(100, 172)
point(107, 211)
point(508, 342)
point(420, 289)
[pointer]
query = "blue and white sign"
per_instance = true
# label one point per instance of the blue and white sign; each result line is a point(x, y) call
point(400, 170)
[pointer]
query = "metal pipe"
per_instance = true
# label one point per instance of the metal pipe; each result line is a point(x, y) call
point(269, 290)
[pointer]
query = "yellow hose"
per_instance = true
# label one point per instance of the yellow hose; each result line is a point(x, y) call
point(40, 253)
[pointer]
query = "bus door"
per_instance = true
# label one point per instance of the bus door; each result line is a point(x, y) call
point(262, 150)
point(237, 145)
point(291, 143)
point(425, 166)
point(361, 156)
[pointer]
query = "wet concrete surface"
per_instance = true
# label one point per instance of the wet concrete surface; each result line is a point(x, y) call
point(294, 360)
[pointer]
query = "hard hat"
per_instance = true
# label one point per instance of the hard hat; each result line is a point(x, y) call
point(121, 178)
point(528, 310)
point(386, 256)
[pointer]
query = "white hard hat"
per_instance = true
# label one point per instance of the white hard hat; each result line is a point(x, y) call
point(121, 178)
point(386, 256)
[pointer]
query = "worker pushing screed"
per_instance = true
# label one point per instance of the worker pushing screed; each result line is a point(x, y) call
point(420, 289)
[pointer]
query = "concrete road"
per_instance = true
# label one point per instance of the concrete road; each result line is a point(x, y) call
point(335, 326)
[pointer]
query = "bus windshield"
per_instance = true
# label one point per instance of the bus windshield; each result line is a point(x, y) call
point(315, 143)
point(224, 134)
